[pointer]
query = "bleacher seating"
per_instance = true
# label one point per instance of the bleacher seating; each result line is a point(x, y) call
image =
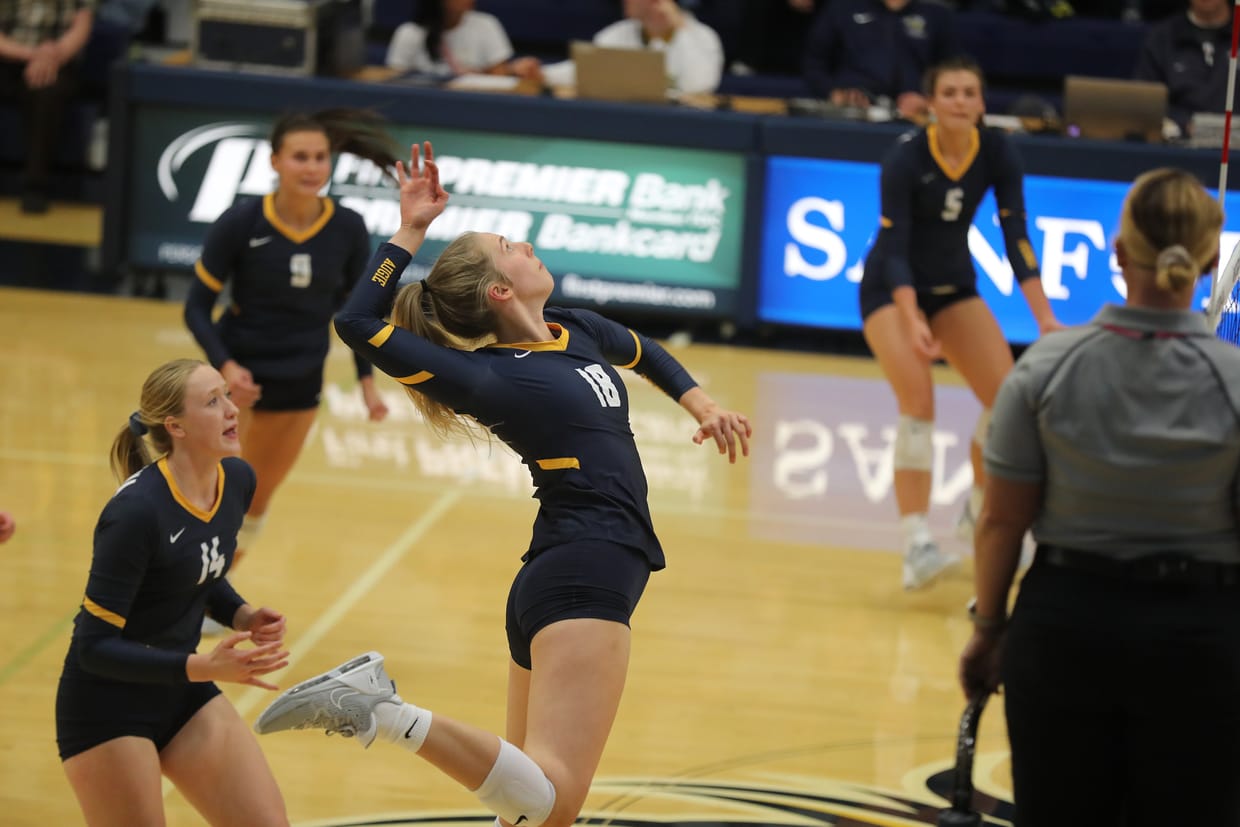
point(1019, 56)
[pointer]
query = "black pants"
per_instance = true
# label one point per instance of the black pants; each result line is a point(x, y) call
point(1123, 702)
point(43, 115)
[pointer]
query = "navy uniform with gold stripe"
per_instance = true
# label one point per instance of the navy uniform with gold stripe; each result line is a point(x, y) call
point(159, 564)
point(563, 408)
point(927, 208)
point(285, 287)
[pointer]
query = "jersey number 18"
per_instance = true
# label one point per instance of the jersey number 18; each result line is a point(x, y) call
point(601, 384)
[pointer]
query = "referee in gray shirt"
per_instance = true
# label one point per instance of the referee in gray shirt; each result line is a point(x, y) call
point(1118, 443)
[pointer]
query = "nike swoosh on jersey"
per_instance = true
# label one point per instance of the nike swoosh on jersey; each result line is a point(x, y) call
point(259, 242)
point(172, 538)
point(522, 354)
point(862, 18)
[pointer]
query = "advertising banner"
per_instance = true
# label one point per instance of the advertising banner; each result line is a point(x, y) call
point(820, 217)
point(646, 227)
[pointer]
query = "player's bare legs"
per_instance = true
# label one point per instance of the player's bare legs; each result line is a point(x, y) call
point(118, 783)
point(271, 441)
point(908, 373)
point(974, 345)
point(911, 381)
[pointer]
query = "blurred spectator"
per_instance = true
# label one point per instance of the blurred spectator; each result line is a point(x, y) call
point(862, 52)
point(693, 49)
point(40, 42)
point(7, 526)
point(448, 37)
point(1189, 52)
point(772, 35)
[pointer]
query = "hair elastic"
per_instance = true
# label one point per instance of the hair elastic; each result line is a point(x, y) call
point(136, 426)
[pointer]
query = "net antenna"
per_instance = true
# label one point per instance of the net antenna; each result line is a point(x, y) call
point(1224, 282)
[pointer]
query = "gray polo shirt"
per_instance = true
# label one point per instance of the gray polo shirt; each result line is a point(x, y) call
point(1132, 425)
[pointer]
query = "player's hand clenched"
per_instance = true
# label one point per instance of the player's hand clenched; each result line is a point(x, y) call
point(264, 625)
point(242, 388)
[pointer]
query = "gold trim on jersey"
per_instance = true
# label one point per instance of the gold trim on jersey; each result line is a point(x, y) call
point(884, 221)
point(382, 336)
point(558, 463)
point(636, 358)
point(560, 342)
point(206, 278)
point(1026, 252)
point(415, 378)
point(205, 516)
point(297, 236)
point(954, 173)
point(103, 614)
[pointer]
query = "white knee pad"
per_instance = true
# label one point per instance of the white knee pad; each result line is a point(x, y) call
point(983, 428)
point(914, 448)
point(251, 528)
point(516, 789)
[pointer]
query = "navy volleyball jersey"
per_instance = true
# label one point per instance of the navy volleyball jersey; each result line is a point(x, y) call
point(927, 207)
point(158, 563)
point(285, 287)
point(559, 405)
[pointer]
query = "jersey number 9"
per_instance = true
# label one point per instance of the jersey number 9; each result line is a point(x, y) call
point(299, 270)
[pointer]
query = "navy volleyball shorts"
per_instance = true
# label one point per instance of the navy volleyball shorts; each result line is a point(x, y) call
point(90, 712)
point(299, 393)
point(590, 578)
point(930, 303)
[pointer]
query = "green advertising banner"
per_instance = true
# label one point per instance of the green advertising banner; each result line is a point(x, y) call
point(618, 225)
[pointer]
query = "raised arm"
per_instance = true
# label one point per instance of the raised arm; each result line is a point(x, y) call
point(446, 375)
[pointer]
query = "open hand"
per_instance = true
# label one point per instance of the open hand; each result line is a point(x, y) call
point(727, 428)
point(422, 197)
point(228, 663)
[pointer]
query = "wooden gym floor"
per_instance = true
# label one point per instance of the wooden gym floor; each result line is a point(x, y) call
point(780, 675)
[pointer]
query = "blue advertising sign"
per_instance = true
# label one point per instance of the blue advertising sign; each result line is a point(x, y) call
point(820, 217)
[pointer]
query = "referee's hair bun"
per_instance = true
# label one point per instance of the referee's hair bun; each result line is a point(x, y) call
point(1175, 268)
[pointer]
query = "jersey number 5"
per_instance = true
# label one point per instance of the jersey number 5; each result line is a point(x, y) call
point(953, 203)
point(299, 270)
point(606, 391)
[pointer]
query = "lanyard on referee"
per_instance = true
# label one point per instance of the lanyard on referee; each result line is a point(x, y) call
point(1144, 335)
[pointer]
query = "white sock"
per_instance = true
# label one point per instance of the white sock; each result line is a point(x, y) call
point(405, 724)
point(916, 528)
point(975, 501)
